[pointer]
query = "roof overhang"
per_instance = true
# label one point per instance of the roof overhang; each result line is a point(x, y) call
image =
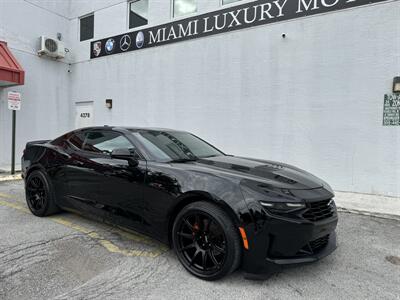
point(11, 72)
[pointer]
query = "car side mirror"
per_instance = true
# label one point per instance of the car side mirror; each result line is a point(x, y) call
point(125, 154)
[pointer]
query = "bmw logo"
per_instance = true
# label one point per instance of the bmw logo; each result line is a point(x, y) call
point(140, 39)
point(110, 45)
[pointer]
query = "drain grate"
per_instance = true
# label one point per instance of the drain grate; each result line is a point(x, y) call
point(393, 259)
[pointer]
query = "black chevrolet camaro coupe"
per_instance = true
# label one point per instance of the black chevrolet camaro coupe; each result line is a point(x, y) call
point(219, 212)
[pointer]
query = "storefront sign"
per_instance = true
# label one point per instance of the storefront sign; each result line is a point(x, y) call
point(14, 100)
point(234, 18)
point(391, 110)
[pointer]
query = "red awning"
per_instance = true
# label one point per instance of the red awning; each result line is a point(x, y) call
point(11, 72)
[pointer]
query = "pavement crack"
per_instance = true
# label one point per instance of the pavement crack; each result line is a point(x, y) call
point(29, 245)
point(298, 291)
point(19, 257)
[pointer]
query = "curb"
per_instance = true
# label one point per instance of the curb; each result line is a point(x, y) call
point(367, 204)
point(368, 213)
point(10, 177)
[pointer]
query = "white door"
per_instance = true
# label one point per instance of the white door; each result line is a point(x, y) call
point(83, 114)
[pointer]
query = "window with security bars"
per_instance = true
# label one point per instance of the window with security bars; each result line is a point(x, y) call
point(86, 27)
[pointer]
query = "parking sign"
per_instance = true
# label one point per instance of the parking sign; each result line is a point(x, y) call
point(14, 100)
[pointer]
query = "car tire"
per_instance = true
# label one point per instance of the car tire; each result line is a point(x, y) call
point(206, 241)
point(40, 196)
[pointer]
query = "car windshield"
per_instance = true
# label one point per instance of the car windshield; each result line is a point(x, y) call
point(175, 146)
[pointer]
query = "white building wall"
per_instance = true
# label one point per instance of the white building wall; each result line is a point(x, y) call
point(45, 101)
point(314, 99)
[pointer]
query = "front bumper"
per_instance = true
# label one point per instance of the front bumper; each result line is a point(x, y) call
point(275, 241)
point(328, 249)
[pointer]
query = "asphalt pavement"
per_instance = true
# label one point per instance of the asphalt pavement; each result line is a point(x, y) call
point(70, 257)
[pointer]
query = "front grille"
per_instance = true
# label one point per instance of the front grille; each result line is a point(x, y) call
point(314, 246)
point(319, 210)
point(320, 243)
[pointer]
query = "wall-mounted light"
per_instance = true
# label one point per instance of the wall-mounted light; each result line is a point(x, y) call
point(109, 103)
point(396, 84)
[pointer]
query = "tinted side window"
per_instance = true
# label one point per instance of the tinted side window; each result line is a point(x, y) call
point(60, 141)
point(77, 139)
point(105, 141)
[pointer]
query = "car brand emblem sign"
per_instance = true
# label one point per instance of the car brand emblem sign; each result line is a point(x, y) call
point(237, 17)
point(110, 44)
point(97, 48)
point(125, 43)
point(140, 39)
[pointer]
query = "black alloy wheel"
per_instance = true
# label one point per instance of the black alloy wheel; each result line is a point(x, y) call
point(39, 195)
point(206, 241)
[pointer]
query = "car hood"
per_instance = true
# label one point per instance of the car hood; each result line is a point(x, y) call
point(276, 174)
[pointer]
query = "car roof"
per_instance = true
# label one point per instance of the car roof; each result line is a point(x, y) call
point(130, 128)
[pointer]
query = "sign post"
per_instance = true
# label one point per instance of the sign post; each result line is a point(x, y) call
point(13, 143)
point(14, 104)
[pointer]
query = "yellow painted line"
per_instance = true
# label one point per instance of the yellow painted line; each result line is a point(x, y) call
point(5, 196)
point(137, 237)
point(110, 246)
point(13, 205)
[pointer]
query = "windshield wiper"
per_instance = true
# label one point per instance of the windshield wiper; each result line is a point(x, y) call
point(178, 160)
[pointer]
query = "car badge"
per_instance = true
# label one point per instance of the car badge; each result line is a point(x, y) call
point(140, 39)
point(125, 43)
point(110, 45)
point(96, 48)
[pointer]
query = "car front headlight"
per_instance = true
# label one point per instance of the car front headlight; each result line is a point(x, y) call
point(282, 207)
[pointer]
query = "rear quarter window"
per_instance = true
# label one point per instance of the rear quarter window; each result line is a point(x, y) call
point(75, 139)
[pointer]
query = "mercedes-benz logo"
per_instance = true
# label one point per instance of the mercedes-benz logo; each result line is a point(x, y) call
point(125, 42)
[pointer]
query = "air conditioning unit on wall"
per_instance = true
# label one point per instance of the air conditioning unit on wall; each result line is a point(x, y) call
point(51, 47)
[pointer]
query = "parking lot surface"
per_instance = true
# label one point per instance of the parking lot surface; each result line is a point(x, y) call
point(69, 257)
